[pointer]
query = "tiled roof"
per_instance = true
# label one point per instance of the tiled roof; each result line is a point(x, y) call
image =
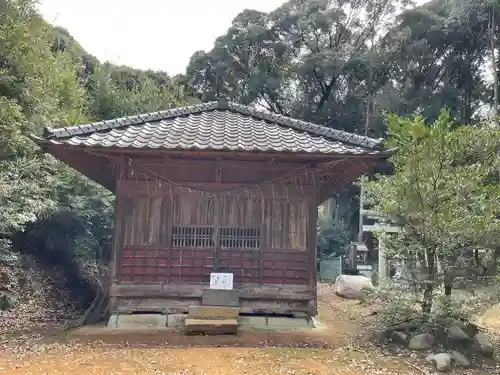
point(217, 125)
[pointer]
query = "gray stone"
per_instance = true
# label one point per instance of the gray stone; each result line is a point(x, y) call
point(427, 327)
point(253, 321)
point(113, 321)
point(353, 287)
point(485, 347)
point(441, 360)
point(381, 336)
point(458, 323)
point(457, 334)
point(460, 359)
point(399, 337)
point(421, 342)
point(142, 321)
point(270, 323)
point(470, 329)
point(216, 297)
point(176, 321)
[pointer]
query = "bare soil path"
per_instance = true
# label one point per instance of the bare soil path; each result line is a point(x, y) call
point(340, 347)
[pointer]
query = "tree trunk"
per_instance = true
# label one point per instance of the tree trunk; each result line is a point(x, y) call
point(369, 97)
point(427, 303)
point(448, 283)
point(430, 280)
point(493, 264)
point(494, 65)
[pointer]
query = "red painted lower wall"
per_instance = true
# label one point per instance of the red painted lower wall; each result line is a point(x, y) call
point(252, 266)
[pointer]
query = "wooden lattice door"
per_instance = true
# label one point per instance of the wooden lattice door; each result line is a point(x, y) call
point(217, 234)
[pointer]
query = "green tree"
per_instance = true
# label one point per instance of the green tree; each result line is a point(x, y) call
point(37, 88)
point(332, 237)
point(314, 60)
point(443, 193)
point(47, 78)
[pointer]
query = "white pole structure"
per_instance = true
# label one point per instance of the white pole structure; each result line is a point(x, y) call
point(384, 230)
point(361, 216)
point(382, 260)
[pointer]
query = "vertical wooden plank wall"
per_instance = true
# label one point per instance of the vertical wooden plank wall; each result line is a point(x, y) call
point(283, 253)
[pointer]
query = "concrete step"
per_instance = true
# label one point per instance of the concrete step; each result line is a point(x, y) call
point(213, 312)
point(210, 326)
point(138, 321)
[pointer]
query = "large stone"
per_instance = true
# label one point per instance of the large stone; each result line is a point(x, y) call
point(399, 337)
point(176, 321)
point(353, 287)
point(141, 321)
point(255, 322)
point(470, 329)
point(457, 334)
point(460, 359)
point(422, 341)
point(286, 323)
point(216, 297)
point(441, 360)
point(381, 336)
point(485, 347)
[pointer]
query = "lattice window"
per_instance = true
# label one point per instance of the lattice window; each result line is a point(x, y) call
point(192, 236)
point(240, 238)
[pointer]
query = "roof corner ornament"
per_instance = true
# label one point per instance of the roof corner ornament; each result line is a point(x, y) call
point(48, 131)
point(222, 103)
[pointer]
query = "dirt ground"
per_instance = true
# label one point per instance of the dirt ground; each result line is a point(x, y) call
point(340, 347)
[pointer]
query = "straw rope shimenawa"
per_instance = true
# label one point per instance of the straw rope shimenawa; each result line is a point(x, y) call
point(290, 177)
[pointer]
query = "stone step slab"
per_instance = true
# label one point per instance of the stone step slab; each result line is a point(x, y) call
point(213, 312)
point(225, 298)
point(138, 321)
point(210, 326)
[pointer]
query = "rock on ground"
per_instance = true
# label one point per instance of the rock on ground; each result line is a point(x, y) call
point(485, 347)
point(422, 341)
point(441, 360)
point(352, 287)
point(399, 337)
point(460, 359)
point(457, 334)
point(381, 336)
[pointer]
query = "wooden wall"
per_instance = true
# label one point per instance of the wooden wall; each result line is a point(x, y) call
point(176, 236)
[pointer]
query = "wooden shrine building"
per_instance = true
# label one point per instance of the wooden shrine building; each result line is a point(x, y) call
point(214, 187)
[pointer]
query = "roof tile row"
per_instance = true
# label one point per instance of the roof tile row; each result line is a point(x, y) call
point(214, 126)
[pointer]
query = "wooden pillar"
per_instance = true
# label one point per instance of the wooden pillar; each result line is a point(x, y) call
point(311, 245)
point(118, 221)
point(312, 221)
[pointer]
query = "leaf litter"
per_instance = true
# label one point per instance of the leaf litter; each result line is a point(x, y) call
point(341, 346)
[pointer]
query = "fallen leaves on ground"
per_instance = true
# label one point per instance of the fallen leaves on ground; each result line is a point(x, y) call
point(341, 346)
point(80, 359)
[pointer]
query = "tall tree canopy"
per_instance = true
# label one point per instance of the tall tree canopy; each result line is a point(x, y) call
point(344, 63)
point(317, 60)
point(47, 78)
point(333, 62)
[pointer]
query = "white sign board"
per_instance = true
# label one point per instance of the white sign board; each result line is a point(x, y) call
point(222, 281)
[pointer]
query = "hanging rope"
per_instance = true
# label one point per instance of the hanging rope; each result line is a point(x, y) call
point(292, 176)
